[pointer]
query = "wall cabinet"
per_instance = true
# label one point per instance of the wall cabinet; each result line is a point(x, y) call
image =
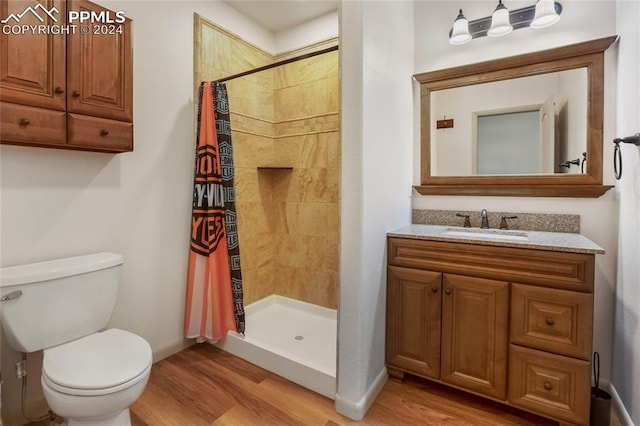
point(71, 91)
point(511, 324)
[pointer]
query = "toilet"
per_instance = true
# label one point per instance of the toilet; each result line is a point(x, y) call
point(90, 375)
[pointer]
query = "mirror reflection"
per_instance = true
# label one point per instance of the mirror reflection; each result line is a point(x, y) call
point(522, 126)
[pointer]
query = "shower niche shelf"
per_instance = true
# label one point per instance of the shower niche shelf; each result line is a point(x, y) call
point(275, 167)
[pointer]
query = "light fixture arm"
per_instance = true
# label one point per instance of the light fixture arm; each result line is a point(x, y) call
point(519, 18)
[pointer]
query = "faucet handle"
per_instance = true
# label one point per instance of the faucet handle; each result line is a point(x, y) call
point(503, 222)
point(467, 222)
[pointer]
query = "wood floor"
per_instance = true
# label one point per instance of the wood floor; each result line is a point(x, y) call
point(204, 385)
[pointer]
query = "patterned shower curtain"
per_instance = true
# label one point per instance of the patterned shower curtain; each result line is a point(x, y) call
point(214, 302)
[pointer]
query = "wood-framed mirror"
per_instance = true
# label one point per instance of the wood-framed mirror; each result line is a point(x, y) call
point(556, 99)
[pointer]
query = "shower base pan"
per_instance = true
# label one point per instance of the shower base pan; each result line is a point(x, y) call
point(293, 339)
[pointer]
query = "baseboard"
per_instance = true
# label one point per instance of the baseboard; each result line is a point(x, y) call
point(621, 411)
point(356, 410)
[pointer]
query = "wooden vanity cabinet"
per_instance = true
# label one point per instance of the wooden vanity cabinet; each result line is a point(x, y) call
point(45, 78)
point(512, 324)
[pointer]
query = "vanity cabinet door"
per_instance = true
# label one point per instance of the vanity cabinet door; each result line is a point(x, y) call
point(413, 321)
point(475, 314)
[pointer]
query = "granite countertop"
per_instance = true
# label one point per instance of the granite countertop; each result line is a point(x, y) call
point(555, 241)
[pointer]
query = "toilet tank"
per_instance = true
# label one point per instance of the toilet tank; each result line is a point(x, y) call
point(61, 300)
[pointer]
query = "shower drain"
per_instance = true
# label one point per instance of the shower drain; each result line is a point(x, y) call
point(298, 337)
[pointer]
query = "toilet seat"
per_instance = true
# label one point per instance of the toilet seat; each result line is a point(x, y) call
point(98, 364)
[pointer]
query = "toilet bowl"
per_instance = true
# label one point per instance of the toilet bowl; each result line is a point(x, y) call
point(90, 374)
point(94, 380)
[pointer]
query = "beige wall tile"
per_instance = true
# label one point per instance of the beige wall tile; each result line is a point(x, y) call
point(246, 182)
point(314, 153)
point(333, 94)
point(312, 253)
point(333, 221)
point(316, 188)
point(264, 150)
point(275, 212)
point(216, 48)
point(318, 124)
point(265, 251)
point(288, 150)
point(313, 219)
point(331, 140)
point(332, 194)
point(332, 255)
point(332, 286)
point(244, 154)
point(293, 218)
point(251, 219)
point(301, 100)
point(286, 248)
point(245, 57)
point(300, 72)
point(333, 64)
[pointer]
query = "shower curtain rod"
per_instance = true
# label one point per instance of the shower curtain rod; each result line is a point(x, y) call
point(279, 63)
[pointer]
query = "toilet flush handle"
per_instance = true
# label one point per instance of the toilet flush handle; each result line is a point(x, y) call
point(11, 296)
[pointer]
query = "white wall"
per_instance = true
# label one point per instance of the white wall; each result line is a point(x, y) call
point(376, 45)
point(321, 28)
point(578, 23)
point(63, 203)
point(626, 341)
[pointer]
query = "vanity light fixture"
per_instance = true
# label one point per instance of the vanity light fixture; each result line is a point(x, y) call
point(546, 14)
point(460, 32)
point(543, 14)
point(500, 24)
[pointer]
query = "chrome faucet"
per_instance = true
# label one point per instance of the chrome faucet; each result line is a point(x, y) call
point(485, 219)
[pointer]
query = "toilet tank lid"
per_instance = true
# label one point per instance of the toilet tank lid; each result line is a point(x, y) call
point(52, 269)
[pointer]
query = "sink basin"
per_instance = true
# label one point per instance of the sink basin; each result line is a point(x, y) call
point(491, 234)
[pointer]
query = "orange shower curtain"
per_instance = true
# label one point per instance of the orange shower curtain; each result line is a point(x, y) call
point(210, 305)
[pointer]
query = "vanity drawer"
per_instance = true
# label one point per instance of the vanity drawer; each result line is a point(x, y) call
point(100, 133)
point(558, 321)
point(30, 125)
point(552, 385)
point(570, 271)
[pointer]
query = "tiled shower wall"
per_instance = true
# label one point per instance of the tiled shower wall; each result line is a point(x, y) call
point(288, 219)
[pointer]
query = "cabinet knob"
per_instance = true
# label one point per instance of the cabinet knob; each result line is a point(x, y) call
point(434, 289)
point(104, 132)
point(550, 321)
point(447, 291)
point(24, 122)
point(58, 90)
point(548, 386)
point(75, 94)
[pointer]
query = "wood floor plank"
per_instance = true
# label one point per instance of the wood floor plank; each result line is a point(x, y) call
point(235, 385)
point(229, 361)
point(158, 407)
point(310, 408)
point(196, 393)
point(457, 405)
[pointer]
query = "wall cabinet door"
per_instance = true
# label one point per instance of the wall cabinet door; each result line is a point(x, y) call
point(32, 66)
point(474, 334)
point(413, 321)
point(99, 67)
